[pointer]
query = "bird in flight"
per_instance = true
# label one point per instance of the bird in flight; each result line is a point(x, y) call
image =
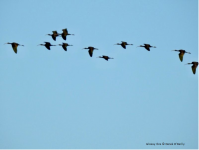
point(147, 46)
point(90, 50)
point(194, 66)
point(64, 46)
point(54, 35)
point(65, 33)
point(181, 54)
point(47, 45)
point(123, 44)
point(105, 57)
point(14, 46)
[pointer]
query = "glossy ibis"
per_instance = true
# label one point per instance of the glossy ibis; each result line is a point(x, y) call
point(14, 46)
point(123, 44)
point(91, 49)
point(181, 54)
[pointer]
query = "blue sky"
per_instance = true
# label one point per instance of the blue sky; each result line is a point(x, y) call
point(66, 99)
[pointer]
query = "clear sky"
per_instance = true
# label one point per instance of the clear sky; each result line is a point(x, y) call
point(67, 99)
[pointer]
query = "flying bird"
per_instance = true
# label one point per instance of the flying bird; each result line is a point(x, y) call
point(65, 33)
point(14, 46)
point(147, 46)
point(181, 54)
point(47, 45)
point(64, 45)
point(194, 66)
point(91, 49)
point(54, 35)
point(105, 57)
point(123, 44)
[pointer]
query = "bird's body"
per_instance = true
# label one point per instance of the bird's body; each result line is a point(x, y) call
point(14, 46)
point(64, 46)
point(90, 50)
point(147, 46)
point(181, 54)
point(47, 45)
point(194, 66)
point(65, 33)
point(123, 44)
point(105, 57)
point(54, 35)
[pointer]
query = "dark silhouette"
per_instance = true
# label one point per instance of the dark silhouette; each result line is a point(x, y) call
point(64, 45)
point(181, 54)
point(91, 49)
point(147, 46)
point(14, 46)
point(54, 35)
point(65, 33)
point(194, 66)
point(105, 57)
point(47, 45)
point(123, 44)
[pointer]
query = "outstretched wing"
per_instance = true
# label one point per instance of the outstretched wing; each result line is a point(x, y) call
point(54, 37)
point(90, 52)
point(64, 47)
point(64, 36)
point(181, 56)
point(194, 69)
point(14, 47)
point(147, 46)
point(123, 45)
point(47, 46)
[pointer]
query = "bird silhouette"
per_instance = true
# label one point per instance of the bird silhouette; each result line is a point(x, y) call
point(47, 45)
point(194, 66)
point(91, 49)
point(54, 35)
point(14, 46)
point(181, 54)
point(65, 33)
point(64, 45)
point(147, 46)
point(123, 44)
point(105, 57)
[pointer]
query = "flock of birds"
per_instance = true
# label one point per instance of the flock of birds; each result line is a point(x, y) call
point(65, 33)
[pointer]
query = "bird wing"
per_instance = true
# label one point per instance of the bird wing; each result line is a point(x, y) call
point(181, 56)
point(54, 37)
point(55, 32)
point(147, 46)
point(193, 69)
point(47, 46)
point(63, 36)
point(106, 58)
point(90, 52)
point(14, 47)
point(64, 47)
point(123, 45)
point(65, 31)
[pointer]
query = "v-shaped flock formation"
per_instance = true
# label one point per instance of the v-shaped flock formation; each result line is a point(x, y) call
point(91, 49)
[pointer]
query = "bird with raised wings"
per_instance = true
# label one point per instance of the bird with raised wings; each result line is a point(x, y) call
point(47, 45)
point(14, 46)
point(123, 44)
point(90, 50)
point(54, 35)
point(194, 66)
point(64, 46)
point(65, 33)
point(105, 57)
point(181, 54)
point(147, 46)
